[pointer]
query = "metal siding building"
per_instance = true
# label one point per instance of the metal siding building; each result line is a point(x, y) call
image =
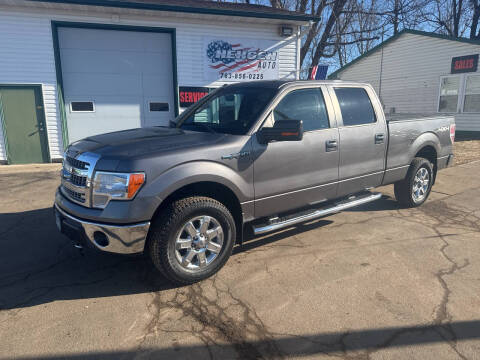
point(131, 56)
point(407, 72)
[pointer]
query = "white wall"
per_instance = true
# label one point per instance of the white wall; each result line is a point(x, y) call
point(412, 67)
point(27, 55)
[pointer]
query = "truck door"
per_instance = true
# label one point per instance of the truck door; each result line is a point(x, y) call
point(292, 174)
point(363, 137)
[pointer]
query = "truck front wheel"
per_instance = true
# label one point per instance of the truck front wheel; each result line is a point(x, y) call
point(191, 239)
point(414, 189)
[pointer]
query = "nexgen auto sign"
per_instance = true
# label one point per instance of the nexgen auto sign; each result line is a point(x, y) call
point(240, 59)
point(242, 54)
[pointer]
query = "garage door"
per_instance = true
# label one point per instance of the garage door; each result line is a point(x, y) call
point(115, 80)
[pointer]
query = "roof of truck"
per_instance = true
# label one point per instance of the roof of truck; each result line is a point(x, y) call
point(277, 84)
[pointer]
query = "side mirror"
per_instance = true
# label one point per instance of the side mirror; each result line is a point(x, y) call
point(284, 130)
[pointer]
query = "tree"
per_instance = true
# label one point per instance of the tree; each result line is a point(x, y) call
point(450, 17)
point(348, 28)
point(325, 37)
point(474, 27)
point(363, 28)
point(396, 14)
point(401, 14)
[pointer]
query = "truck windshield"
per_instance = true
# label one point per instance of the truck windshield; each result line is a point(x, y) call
point(230, 110)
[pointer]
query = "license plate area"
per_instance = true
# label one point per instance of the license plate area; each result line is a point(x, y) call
point(70, 228)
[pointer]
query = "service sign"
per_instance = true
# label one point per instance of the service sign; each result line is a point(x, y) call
point(189, 95)
point(464, 64)
point(227, 59)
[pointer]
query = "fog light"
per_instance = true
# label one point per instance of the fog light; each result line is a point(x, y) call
point(100, 239)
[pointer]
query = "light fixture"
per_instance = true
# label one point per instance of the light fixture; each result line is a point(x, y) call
point(286, 31)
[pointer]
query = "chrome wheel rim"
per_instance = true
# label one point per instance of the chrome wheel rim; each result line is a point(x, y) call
point(199, 242)
point(421, 182)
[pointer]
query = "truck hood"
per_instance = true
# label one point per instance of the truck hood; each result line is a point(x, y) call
point(138, 142)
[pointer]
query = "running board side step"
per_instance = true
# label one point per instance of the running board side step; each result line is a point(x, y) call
point(339, 206)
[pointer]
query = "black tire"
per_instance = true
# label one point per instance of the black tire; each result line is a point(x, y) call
point(168, 226)
point(404, 189)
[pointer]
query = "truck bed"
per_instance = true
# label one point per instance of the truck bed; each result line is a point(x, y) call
point(416, 116)
point(410, 132)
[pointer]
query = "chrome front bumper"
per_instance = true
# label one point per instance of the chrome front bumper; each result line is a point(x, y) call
point(120, 239)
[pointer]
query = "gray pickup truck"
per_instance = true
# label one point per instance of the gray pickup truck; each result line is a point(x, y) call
point(261, 155)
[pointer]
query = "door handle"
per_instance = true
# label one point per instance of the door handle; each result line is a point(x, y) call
point(379, 138)
point(331, 145)
point(40, 127)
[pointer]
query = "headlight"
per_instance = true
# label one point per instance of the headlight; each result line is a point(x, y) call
point(115, 186)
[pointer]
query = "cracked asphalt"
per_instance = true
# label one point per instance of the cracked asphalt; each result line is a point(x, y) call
point(376, 282)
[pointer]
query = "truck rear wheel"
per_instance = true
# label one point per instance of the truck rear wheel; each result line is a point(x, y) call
point(414, 190)
point(192, 239)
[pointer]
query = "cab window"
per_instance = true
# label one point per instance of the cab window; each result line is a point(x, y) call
point(355, 106)
point(306, 105)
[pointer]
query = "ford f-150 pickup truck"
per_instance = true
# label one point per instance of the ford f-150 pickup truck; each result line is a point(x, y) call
point(261, 155)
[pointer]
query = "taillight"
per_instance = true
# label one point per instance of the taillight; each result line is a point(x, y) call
point(452, 133)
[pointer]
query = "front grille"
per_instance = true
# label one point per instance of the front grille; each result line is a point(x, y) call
point(80, 197)
point(76, 177)
point(77, 163)
point(75, 173)
point(78, 180)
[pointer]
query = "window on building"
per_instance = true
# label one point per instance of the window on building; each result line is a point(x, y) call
point(355, 106)
point(472, 94)
point(449, 88)
point(158, 106)
point(306, 105)
point(82, 106)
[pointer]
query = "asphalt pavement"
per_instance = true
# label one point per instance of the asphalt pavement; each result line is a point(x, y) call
point(376, 282)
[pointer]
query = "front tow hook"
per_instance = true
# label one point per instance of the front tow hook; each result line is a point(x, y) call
point(80, 248)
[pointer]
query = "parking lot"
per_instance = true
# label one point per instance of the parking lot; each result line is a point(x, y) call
point(376, 282)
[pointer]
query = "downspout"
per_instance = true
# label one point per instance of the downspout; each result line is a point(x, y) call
point(381, 73)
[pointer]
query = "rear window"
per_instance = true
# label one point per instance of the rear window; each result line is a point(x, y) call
point(355, 106)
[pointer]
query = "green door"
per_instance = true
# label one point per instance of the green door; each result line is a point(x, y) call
point(21, 111)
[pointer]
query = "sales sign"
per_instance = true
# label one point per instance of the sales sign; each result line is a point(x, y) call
point(228, 59)
point(464, 64)
point(189, 95)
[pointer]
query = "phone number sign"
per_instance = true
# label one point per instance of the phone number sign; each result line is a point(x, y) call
point(240, 60)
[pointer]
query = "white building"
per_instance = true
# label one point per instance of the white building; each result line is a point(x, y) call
point(74, 68)
point(421, 72)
